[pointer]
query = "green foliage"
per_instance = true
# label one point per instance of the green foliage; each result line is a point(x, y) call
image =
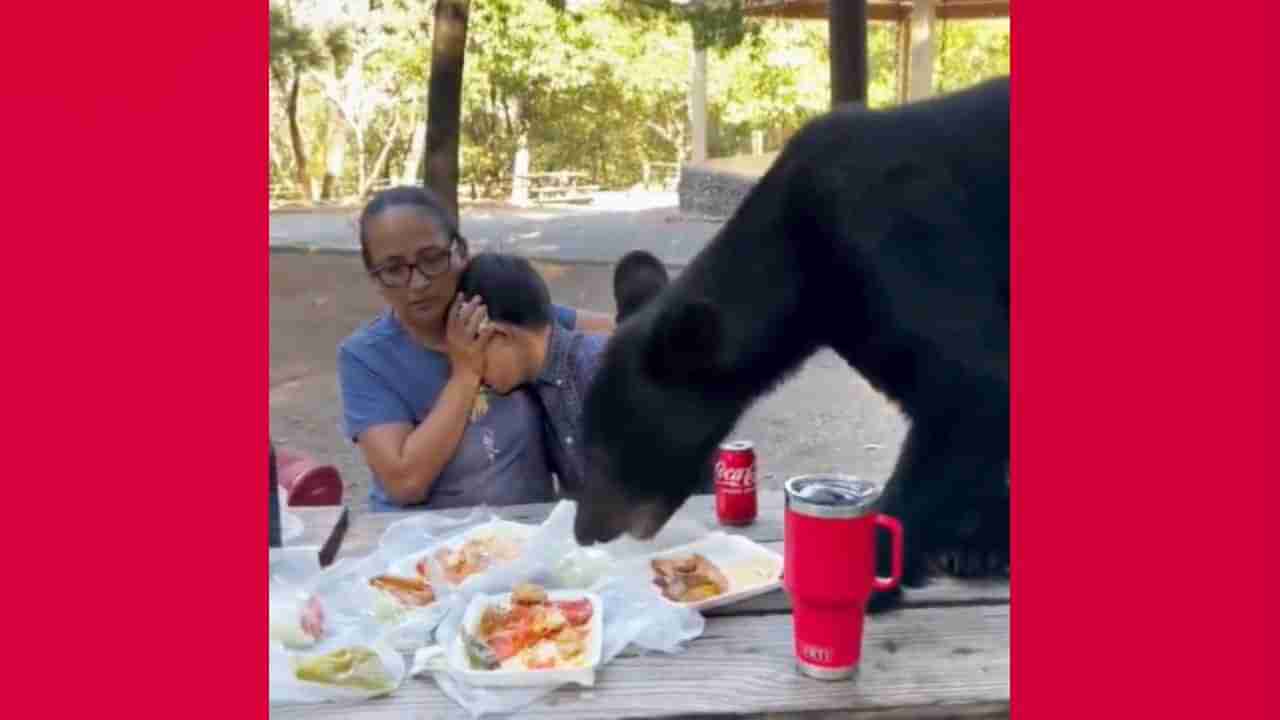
point(716, 24)
point(970, 51)
point(293, 46)
point(599, 86)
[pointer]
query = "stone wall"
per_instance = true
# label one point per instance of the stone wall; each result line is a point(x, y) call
point(705, 191)
point(716, 187)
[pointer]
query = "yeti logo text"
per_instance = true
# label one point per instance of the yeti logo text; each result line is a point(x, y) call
point(816, 653)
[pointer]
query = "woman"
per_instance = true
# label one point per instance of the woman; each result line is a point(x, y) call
point(411, 390)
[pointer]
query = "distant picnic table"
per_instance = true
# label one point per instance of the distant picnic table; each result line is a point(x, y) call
point(945, 653)
point(558, 186)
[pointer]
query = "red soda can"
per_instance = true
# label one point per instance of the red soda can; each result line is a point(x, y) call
point(735, 482)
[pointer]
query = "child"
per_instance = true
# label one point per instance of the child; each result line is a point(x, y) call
point(638, 278)
point(527, 348)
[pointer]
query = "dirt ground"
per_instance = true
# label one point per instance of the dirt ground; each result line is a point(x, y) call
point(824, 418)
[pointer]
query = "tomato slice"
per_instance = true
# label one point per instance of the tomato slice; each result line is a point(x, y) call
point(503, 645)
point(577, 612)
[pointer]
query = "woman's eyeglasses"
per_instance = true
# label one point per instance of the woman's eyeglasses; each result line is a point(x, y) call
point(429, 262)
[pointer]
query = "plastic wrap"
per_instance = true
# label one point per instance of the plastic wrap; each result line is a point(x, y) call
point(633, 613)
point(356, 615)
point(352, 613)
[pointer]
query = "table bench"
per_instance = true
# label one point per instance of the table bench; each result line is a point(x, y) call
point(945, 654)
point(664, 176)
point(560, 186)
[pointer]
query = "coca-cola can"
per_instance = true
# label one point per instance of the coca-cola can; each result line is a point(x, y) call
point(735, 483)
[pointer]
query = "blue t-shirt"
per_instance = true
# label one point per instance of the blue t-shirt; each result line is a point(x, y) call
point(388, 377)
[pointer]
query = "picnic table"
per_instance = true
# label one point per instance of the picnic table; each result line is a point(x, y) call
point(559, 186)
point(945, 653)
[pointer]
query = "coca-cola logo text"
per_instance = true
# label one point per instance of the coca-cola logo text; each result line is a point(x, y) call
point(743, 477)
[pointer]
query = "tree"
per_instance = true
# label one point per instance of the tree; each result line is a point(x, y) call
point(716, 23)
point(444, 99)
point(371, 73)
point(294, 51)
point(600, 87)
point(970, 51)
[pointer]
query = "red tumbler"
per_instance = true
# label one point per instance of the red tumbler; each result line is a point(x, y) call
point(829, 571)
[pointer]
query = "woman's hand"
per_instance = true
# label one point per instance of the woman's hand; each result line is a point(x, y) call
point(467, 334)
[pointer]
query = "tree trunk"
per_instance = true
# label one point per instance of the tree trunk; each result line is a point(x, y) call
point(444, 99)
point(847, 36)
point(381, 161)
point(412, 171)
point(361, 176)
point(335, 159)
point(698, 103)
point(277, 165)
point(295, 137)
point(520, 164)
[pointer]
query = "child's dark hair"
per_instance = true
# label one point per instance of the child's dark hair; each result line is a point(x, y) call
point(414, 196)
point(637, 279)
point(511, 290)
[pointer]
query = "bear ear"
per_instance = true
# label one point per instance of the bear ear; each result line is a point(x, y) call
point(687, 339)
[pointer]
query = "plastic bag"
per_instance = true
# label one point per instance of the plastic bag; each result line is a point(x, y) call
point(580, 567)
point(293, 565)
point(286, 687)
point(421, 531)
point(403, 628)
point(358, 615)
point(352, 613)
point(314, 618)
point(633, 616)
point(634, 613)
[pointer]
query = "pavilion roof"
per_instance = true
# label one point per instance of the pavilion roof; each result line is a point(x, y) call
point(877, 9)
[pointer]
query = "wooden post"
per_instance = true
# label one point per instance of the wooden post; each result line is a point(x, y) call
point(922, 16)
point(698, 103)
point(904, 57)
point(847, 37)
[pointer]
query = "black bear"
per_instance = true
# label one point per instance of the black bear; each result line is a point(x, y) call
point(638, 278)
point(882, 234)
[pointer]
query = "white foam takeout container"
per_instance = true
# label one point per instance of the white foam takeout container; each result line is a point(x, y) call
point(389, 611)
point(726, 552)
point(453, 659)
point(407, 566)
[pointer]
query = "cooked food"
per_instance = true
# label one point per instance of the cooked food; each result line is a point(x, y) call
point(528, 594)
point(355, 667)
point(409, 592)
point(480, 655)
point(531, 632)
point(756, 571)
point(297, 625)
point(473, 556)
point(688, 578)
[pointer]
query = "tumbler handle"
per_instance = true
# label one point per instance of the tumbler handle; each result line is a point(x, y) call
point(895, 531)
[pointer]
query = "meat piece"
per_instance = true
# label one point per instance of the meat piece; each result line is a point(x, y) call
point(503, 644)
point(689, 578)
point(577, 612)
point(571, 642)
point(312, 620)
point(408, 591)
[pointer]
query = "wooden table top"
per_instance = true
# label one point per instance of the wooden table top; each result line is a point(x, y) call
point(944, 654)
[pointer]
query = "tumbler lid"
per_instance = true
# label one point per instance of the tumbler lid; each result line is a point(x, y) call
point(831, 495)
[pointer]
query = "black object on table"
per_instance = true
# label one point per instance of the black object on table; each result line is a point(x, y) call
point(274, 502)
